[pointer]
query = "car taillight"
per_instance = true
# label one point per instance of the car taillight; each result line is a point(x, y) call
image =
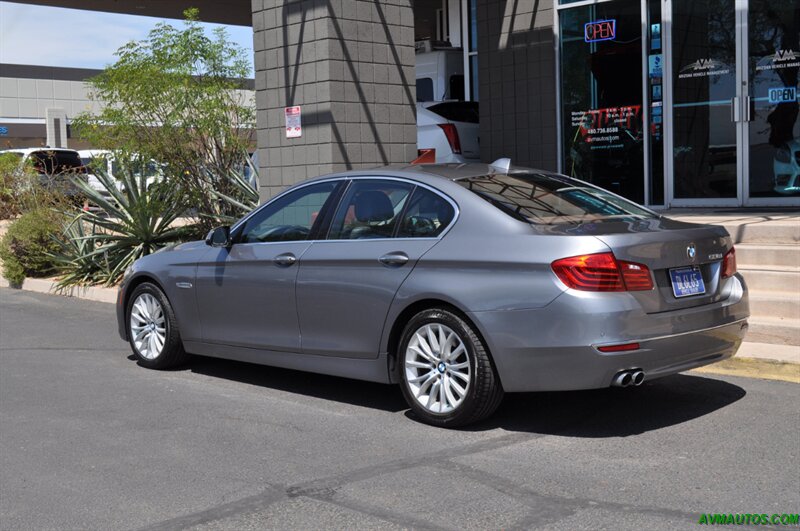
point(451, 133)
point(729, 263)
point(637, 277)
point(602, 272)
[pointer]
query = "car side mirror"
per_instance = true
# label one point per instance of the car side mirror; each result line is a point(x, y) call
point(219, 237)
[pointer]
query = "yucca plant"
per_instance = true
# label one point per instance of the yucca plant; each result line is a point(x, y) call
point(133, 220)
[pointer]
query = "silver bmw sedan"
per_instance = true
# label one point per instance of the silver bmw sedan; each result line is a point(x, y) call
point(459, 282)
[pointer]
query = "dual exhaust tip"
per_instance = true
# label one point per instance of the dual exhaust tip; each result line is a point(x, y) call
point(626, 378)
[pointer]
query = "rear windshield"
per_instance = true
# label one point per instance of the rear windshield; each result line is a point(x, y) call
point(551, 199)
point(54, 162)
point(457, 111)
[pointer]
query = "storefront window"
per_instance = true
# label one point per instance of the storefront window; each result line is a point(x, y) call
point(774, 61)
point(655, 92)
point(601, 95)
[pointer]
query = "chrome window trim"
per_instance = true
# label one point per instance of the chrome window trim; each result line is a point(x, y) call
point(456, 209)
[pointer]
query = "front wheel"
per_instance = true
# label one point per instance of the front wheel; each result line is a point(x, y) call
point(152, 328)
point(447, 376)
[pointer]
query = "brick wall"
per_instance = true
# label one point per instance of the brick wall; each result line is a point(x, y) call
point(516, 63)
point(350, 65)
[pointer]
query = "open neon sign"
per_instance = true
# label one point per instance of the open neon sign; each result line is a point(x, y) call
point(600, 30)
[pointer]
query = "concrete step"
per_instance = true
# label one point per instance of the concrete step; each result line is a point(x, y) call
point(781, 232)
point(772, 279)
point(753, 255)
point(774, 330)
point(785, 305)
point(769, 351)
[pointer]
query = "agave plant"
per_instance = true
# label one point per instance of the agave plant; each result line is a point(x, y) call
point(76, 258)
point(242, 196)
point(134, 219)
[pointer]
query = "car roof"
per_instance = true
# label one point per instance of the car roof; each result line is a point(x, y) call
point(433, 172)
point(94, 152)
point(28, 151)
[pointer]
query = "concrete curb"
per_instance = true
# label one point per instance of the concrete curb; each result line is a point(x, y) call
point(48, 286)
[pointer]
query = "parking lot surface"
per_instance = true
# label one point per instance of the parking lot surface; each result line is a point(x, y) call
point(90, 440)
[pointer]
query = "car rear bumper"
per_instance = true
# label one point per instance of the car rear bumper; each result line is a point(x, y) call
point(555, 348)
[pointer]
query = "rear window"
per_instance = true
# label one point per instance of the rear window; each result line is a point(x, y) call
point(424, 89)
point(457, 87)
point(550, 199)
point(54, 162)
point(457, 111)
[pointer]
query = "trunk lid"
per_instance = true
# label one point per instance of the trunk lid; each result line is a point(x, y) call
point(663, 244)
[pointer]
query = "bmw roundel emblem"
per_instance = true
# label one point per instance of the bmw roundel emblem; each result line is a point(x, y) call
point(691, 251)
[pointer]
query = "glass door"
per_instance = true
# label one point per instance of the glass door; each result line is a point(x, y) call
point(602, 133)
point(770, 112)
point(705, 160)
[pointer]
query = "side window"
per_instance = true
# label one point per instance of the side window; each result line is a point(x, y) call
point(290, 218)
point(427, 215)
point(424, 89)
point(370, 209)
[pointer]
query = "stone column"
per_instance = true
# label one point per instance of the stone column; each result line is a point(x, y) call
point(349, 64)
point(56, 120)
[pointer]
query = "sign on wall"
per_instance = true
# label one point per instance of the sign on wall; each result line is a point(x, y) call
point(600, 30)
point(294, 126)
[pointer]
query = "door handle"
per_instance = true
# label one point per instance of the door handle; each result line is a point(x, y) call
point(735, 108)
point(393, 259)
point(748, 108)
point(285, 260)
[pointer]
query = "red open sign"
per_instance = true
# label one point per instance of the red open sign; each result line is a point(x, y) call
point(600, 30)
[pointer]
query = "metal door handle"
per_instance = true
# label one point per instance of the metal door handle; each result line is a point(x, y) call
point(393, 259)
point(735, 109)
point(285, 260)
point(748, 106)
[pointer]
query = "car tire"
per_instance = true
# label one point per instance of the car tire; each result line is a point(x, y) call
point(447, 375)
point(153, 329)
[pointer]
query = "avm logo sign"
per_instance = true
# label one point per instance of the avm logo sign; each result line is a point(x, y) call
point(600, 30)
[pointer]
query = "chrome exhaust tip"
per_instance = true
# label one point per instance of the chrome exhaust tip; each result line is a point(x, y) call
point(622, 379)
point(637, 378)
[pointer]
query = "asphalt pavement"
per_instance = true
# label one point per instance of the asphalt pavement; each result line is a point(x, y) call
point(90, 440)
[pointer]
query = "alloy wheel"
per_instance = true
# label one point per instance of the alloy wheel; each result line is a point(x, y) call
point(148, 326)
point(437, 367)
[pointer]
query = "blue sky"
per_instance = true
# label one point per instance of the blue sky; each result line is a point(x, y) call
point(51, 36)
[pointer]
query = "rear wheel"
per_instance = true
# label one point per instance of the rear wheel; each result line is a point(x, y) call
point(152, 328)
point(447, 376)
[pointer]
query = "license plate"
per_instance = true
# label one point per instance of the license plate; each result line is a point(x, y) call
point(687, 281)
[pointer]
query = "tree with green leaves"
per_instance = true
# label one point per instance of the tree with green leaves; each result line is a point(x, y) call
point(178, 97)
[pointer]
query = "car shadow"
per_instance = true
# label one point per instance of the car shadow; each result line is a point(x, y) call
point(599, 413)
point(345, 390)
point(614, 412)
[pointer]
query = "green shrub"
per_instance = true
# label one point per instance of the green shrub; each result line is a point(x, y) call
point(10, 192)
point(21, 190)
point(28, 246)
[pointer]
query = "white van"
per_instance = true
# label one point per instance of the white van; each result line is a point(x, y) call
point(440, 75)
